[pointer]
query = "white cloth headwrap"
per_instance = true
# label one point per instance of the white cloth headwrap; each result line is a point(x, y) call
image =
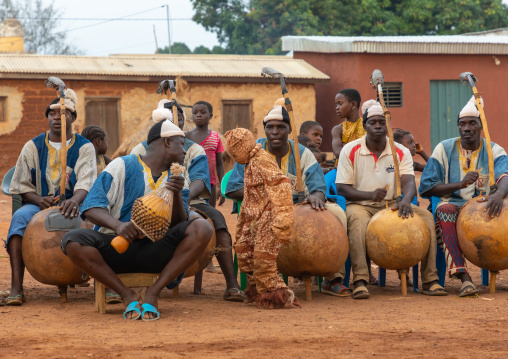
point(169, 129)
point(470, 110)
point(374, 108)
point(162, 113)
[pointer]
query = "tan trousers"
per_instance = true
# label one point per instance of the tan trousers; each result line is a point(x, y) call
point(341, 215)
point(358, 218)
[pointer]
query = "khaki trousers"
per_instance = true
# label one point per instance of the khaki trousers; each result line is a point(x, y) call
point(358, 218)
point(341, 215)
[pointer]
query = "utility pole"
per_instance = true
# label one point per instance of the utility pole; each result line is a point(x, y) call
point(169, 35)
point(156, 45)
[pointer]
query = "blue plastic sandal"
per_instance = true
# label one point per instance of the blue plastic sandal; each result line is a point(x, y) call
point(148, 308)
point(132, 308)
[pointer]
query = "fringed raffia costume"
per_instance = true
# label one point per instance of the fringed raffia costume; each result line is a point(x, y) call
point(265, 222)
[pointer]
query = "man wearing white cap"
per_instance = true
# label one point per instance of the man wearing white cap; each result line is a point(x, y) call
point(458, 171)
point(108, 205)
point(366, 178)
point(37, 180)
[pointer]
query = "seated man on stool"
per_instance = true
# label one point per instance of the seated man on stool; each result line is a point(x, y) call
point(109, 204)
point(197, 176)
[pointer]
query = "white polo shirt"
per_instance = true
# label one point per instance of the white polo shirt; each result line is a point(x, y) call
point(362, 169)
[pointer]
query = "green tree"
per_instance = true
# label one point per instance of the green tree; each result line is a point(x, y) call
point(202, 50)
point(176, 48)
point(256, 26)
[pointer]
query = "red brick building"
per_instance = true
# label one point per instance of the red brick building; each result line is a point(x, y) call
point(422, 76)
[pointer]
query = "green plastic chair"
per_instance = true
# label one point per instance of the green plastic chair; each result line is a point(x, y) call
point(6, 183)
point(223, 185)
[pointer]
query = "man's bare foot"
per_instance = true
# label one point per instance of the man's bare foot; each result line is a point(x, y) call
point(211, 268)
point(127, 299)
point(148, 297)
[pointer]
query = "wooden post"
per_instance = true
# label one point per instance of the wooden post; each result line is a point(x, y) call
point(62, 289)
point(492, 285)
point(308, 292)
point(403, 282)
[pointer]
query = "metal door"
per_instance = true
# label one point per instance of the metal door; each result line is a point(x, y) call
point(447, 98)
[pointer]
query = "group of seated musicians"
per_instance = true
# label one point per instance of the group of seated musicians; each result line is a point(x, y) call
point(365, 167)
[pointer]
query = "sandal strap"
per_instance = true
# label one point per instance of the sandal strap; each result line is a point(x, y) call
point(360, 288)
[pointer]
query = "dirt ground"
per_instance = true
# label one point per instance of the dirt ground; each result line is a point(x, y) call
point(387, 325)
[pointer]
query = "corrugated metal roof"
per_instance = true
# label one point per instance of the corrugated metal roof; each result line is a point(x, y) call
point(191, 66)
point(452, 44)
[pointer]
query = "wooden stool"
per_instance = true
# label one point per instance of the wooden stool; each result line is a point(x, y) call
point(132, 280)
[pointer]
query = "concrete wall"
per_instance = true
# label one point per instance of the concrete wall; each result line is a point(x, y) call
point(415, 72)
point(27, 101)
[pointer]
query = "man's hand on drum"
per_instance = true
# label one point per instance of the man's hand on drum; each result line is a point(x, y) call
point(378, 195)
point(69, 208)
point(175, 183)
point(494, 204)
point(404, 208)
point(128, 230)
point(46, 202)
point(316, 201)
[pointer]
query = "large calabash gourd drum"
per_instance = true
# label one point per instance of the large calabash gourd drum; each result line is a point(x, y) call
point(319, 245)
point(483, 241)
point(396, 243)
point(43, 255)
point(207, 255)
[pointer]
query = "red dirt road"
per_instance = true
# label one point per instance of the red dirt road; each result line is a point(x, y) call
point(387, 325)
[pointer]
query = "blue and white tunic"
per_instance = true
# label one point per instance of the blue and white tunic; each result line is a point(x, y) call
point(445, 166)
point(312, 174)
point(123, 181)
point(196, 167)
point(39, 167)
point(39, 170)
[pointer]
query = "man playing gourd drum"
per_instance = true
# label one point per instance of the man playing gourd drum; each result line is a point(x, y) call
point(366, 178)
point(458, 171)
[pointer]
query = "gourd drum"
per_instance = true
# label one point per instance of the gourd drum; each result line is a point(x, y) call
point(483, 241)
point(43, 256)
point(396, 243)
point(319, 245)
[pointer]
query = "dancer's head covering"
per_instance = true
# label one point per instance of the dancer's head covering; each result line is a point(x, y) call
point(370, 109)
point(470, 110)
point(164, 126)
point(277, 113)
point(70, 101)
point(241, 144)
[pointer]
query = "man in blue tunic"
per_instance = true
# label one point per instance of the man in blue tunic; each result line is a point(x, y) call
point(197, 178)
point(277, 129)
point(457, 172)
point(109, 204)
point(37, 180)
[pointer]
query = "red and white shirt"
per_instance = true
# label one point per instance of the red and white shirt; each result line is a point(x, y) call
point(362, 169)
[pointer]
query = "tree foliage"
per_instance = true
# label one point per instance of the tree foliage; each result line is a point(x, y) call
point(256, 26)
point(181, 48)
point(40, 23)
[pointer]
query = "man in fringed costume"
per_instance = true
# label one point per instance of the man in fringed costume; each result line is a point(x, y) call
point(276, 144)
point(37, 180)
point(265, 222)
point(458, 171)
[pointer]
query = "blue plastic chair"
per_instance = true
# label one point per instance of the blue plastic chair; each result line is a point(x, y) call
point(440, 258)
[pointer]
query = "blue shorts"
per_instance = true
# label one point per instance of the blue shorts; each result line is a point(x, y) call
point(20, 220)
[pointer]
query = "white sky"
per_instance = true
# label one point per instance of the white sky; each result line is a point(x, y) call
point(131, 37)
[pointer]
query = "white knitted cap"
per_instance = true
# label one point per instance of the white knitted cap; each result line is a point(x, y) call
point(470, 110)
